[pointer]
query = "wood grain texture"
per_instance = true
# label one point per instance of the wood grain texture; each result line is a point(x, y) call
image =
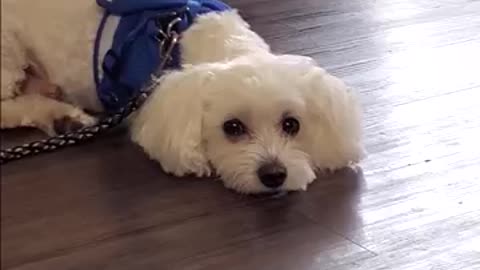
point(413, 204)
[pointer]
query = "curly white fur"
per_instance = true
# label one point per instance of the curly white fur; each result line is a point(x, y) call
point(229, 72)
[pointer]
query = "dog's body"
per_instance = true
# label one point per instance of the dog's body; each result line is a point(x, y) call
point(261, 121)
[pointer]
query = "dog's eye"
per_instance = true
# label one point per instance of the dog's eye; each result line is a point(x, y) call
point(290, 126)
point(234, 128)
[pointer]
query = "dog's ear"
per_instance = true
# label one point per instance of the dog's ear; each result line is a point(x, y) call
point(334, 120)
point(169, 124)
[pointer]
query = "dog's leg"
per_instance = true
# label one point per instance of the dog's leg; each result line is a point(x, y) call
point(28, 99)
point(14, 61)
point(49, 115)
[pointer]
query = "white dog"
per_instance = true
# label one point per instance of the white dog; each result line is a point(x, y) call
point(262, 122)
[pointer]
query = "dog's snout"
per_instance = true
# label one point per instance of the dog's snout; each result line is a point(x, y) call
point(272, 175)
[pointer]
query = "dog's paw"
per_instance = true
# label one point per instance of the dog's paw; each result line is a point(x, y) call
point(72, 122)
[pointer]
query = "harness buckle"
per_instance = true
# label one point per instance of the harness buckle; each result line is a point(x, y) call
point(111, 64)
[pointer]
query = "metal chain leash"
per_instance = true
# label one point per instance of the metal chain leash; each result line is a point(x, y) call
point(168, 40)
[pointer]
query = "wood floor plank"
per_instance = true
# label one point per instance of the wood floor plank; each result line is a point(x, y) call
point(314, 249)
point(160, 245)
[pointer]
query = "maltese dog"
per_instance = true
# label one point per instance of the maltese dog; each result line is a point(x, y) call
point(261, 122)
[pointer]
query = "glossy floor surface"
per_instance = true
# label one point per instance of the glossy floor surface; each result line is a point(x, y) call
point(415, 203)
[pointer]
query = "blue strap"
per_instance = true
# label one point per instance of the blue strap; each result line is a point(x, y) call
point(125, 7)
point(96, 47)
point(135, 53)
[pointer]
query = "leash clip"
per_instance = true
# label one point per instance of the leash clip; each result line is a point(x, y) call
point(167, 45)
point(167, 52)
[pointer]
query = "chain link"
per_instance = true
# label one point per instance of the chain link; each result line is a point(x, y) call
point(171, 39)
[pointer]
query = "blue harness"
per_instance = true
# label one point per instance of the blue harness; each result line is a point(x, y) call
point(135, 53)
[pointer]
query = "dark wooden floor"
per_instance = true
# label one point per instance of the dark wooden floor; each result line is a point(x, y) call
point(415, 203)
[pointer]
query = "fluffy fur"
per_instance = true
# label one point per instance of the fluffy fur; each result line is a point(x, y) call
point(229, 73)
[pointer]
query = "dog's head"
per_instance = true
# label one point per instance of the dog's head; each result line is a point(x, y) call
point(261, 123)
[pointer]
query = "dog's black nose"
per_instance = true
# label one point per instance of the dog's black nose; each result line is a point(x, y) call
point(272, 175)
